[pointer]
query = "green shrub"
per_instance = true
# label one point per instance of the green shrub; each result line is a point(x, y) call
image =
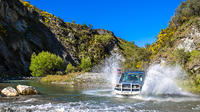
point(86, 64)
point(45, 63)
point(103, 38)
point(181, 56)
point(70, 68)
point(195, 54)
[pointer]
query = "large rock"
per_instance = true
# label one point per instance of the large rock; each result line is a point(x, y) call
point(9, 91)
point(26, 90)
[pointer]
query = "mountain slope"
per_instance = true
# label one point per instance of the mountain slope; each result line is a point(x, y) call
point(25, 29)
point(180, 41)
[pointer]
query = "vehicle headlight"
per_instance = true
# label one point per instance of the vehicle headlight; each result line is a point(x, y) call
point(137, 86)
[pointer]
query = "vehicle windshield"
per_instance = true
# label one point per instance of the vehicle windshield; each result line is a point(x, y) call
point(131, 78)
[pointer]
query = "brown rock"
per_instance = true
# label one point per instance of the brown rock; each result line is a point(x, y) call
point(26, 90)
point(9, 91)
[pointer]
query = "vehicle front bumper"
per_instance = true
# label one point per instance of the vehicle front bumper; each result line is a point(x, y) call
point(126, 92)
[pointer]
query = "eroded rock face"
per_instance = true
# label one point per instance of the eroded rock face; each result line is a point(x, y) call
point(9, 91)
point(24, 35)
point(187, 44)
point(26, 90)
point(190, 41)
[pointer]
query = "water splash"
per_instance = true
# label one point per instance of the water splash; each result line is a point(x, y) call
point(159, 85)
point(110, 66)
point(162, 80)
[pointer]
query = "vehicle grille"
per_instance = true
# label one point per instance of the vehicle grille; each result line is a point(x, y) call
point(126, 86)
point(126, 89)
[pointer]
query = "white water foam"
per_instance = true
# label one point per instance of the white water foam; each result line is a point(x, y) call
point(166, 98)
point(100, 92)
point(109, 68)
point(161, 80)
point(88, 106)
point(28, 100)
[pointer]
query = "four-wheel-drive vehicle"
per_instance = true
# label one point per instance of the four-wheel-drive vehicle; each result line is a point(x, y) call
point(130, 83)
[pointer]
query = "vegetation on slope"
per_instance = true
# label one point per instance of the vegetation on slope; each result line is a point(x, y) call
point(186, 14)
point(136, 58)
point(187, 10)
point(87, 47)
point(184, 24)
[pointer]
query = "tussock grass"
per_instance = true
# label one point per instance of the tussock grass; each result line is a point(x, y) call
point(60, 78)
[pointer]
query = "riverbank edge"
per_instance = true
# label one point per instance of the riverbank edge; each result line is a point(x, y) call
point(77, 79)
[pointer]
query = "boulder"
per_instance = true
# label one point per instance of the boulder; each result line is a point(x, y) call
point(26, 90)
point(9, 91)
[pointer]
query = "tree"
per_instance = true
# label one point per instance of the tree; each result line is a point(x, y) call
point(86, 64)
point(45, 63)
point(70, 68)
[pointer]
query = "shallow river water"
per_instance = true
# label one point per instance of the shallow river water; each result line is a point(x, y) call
point(62, 99)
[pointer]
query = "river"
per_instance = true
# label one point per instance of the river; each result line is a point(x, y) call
point(55, 98)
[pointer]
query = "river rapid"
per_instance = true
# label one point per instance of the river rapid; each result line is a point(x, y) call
point(56, 98)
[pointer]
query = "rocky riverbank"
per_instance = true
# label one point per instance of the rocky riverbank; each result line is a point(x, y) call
point(20, 90)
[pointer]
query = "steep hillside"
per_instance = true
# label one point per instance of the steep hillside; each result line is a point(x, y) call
point(180, 41)
point(25, 29)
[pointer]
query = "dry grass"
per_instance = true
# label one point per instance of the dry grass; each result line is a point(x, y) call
point(60, 78)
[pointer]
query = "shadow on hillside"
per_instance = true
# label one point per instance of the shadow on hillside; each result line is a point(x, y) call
point(17, 48)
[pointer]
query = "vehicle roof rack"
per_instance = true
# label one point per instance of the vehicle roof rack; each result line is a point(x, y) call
point(135, 71)
point(140, 72)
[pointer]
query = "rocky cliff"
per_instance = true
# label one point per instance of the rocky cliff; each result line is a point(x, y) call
point(21, 34)
point(25, 29)
point(179, 43)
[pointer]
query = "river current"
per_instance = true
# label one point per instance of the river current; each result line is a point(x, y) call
point(55, 98)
